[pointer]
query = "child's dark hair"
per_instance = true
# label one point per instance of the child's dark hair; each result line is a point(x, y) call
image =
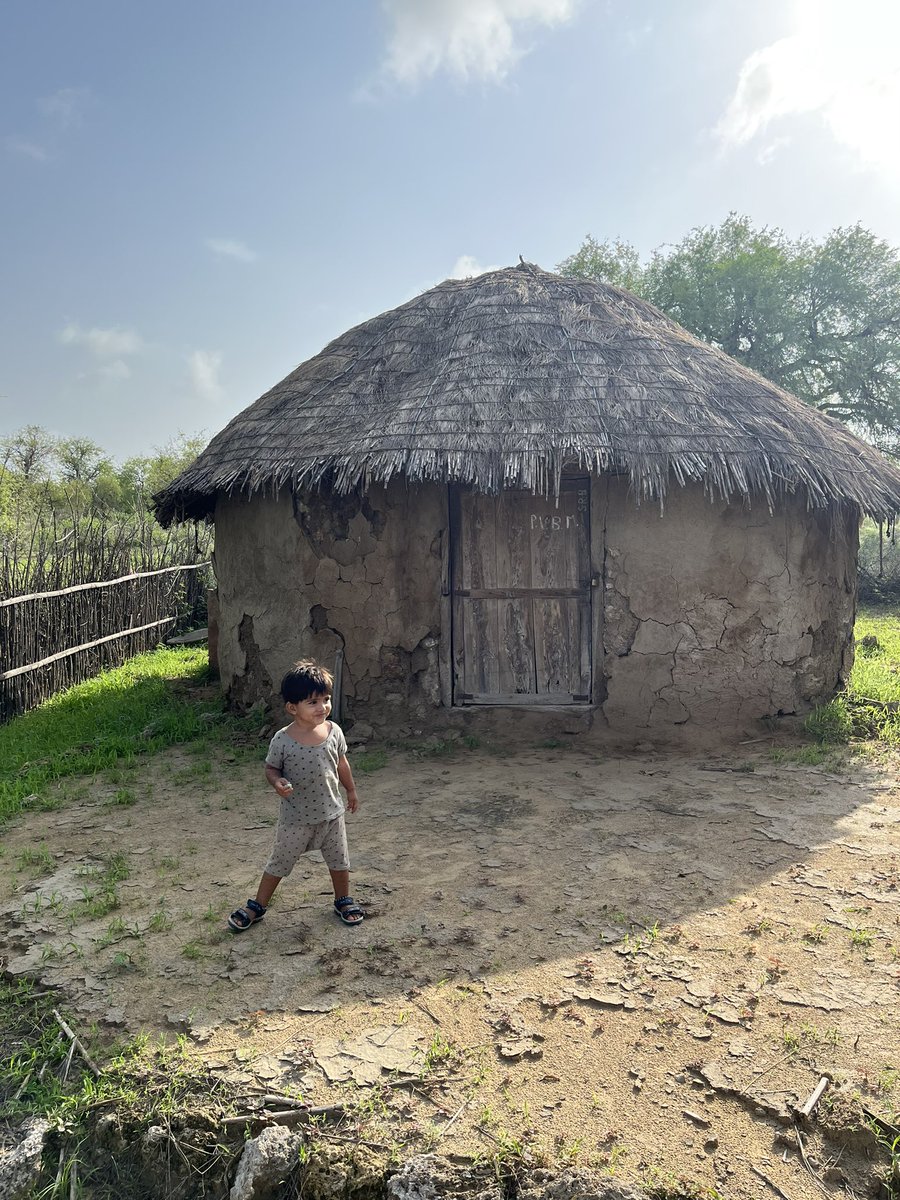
point(306, 678)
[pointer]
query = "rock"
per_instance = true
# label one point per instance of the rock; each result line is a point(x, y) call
point(572, 1184)
point(602, 999)
point(361, 732)
point(517, 1040)
point(427, 1177)
point(697, 1118)
point(740, 1048)
point(519, 1047)
point(20, 1165)
point(265, 1162)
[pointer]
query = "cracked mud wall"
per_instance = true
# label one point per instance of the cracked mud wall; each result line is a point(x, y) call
point(714, 614)
point(718, 613)
point(315, 574)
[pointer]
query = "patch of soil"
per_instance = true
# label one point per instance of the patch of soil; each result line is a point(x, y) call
point(633, 964)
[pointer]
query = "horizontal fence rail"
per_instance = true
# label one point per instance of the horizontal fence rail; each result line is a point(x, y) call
point(52, 640)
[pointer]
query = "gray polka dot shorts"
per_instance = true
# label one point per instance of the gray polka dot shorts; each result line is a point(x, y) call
point(292, 841)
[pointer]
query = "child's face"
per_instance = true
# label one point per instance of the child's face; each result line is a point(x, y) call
point(312, 711)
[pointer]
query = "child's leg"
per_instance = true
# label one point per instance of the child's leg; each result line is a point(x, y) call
point(349, 912)
point(266, 889)
point(254, 910)
point(334, 850)
point(341, 883)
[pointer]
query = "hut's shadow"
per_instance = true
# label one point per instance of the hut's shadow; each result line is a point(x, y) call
point(479, 865)
point(473, 867)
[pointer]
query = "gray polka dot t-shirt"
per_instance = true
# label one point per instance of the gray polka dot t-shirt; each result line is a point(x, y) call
point(313, 772)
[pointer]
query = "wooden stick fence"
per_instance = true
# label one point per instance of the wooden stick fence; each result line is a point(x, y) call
point(51, 640)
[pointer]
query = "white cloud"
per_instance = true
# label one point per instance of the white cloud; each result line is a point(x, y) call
point(204, 366)
point(66, 106)
point(229, 248)
point(103, 343)
point(116, 371)
point(841, 62)
point(466, 267)
point(770, 151)
point(28, 149)
point(469, 38)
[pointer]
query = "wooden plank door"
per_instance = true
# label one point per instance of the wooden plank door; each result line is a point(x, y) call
point(521, 591)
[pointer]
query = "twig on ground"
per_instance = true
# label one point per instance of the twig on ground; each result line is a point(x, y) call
point(417, 1081)
point(766, 1070)
point(774, 1186)
point(814, 1097)
point(890, 705)
point(79, 1046)
point(426, 1011)
point(886, 1127)
point(23, 1085)
point(68, 1062)
point(355, 1141)
point(290, 1116)
point(458, 1113)
point(285, 1101)
point(807, 1163)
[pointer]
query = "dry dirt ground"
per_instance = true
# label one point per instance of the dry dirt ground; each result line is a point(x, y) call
point(636, 963)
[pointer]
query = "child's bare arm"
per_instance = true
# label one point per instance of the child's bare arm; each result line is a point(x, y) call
point(282, 786)
point(345, 775)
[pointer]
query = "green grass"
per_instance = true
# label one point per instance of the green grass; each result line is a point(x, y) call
point(142, 1083)
point(370, 760)
point(139, 708)
point(39, 859)
point(875, 677)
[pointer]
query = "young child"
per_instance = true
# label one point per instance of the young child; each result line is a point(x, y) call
point(306, 761)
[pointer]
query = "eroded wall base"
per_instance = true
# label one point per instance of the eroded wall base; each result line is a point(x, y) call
point(317, 575)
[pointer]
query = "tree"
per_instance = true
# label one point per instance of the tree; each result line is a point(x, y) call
point(29, 451)
point(146, 474)
point(849, 363)
point(737, 288)
point(820, 320)
point(81, 460)
point(614, 262)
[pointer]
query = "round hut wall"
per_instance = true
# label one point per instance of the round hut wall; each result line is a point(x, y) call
point(708, 612)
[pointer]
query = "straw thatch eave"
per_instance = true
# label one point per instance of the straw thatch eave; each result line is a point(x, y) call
point(503, 380)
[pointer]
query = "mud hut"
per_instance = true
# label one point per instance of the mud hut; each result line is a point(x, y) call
point(521, 491)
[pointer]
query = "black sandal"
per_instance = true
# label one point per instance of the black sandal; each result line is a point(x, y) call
point(349, 911)
point(243, 918)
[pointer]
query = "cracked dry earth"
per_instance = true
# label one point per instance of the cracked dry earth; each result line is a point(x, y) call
point(635, 963)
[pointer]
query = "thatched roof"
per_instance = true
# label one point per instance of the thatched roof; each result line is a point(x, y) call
point(502, 380)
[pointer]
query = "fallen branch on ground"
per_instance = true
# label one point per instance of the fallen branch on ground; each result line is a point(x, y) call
point(77, 1044)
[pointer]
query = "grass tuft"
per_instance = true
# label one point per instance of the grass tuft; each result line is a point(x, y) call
point(149, 703)
point(869, 708)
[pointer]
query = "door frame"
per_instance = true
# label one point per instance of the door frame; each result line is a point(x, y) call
point(596, 513)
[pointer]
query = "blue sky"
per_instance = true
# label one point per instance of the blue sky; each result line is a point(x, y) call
point(195, 197)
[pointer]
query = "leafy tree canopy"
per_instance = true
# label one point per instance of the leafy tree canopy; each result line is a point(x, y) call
point(820, 319)
point(75, 474)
